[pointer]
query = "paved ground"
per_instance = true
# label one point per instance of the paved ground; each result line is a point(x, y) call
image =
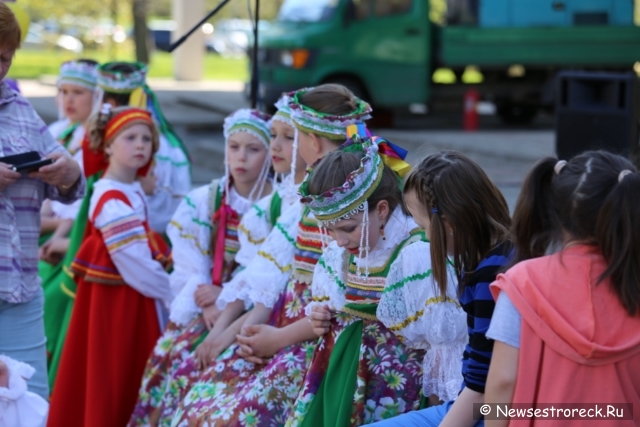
point(197, 112)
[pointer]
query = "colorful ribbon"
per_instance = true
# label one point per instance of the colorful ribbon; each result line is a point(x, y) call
point(221, 217)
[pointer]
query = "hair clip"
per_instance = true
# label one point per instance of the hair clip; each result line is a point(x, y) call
point(623, 174)
point(559, 166)
point(434, 210)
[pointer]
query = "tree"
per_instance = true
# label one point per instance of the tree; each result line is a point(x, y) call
point(140, 30)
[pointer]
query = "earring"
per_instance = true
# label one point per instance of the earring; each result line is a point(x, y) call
point(382, 232)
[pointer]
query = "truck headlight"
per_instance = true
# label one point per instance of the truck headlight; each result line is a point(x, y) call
point(294, 58)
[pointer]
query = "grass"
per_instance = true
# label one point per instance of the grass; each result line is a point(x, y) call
point(32, 64)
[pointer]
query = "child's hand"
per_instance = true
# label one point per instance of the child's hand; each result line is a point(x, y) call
point(260, 341)
point(4, 375)
point(320, 319)
point(210, 315)
point(207, 352)
point(148, 183)
point(54, 250)
point(206, 295)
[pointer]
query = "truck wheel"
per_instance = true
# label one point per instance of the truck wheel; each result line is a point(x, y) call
point(514, 114)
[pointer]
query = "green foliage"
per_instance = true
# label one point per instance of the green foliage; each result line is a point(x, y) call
point(57, 9)
point(33, 64)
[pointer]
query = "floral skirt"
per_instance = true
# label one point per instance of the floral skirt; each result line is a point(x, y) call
point(173, 348)
point(384, 378)
point(234, 392)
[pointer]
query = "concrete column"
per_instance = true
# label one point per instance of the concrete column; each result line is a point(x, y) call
point(188, 59)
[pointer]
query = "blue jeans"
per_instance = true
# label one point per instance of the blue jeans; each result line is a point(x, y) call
point(430, 417)
point(22, 338)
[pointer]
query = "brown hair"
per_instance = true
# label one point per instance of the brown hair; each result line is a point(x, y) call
point(587, 201)
point(97, 125)
point(453, 188)
point(10, 32)
point(332, 172)
point(332, 99)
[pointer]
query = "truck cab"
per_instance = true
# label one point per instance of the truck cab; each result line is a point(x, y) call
point(391, 52)
point(378, 48)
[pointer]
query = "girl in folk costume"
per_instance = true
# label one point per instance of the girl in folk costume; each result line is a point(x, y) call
point(253, 232)
point(76, 85)
point(375, 304)
point(205, 236)
point(122, 282)
point(119, 84)
point(255, 381)
point(467, 222)
point(76, 90)
point(566, 323)
point(124, 83)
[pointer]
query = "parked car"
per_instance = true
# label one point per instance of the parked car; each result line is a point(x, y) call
point(39, 38)
point(232, 37)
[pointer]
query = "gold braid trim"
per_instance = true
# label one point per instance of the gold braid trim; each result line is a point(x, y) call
point(273, 260)
point(359, 314)
point(419, 313)
point(246, 232)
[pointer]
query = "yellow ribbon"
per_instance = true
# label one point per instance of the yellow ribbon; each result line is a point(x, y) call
point(22, 16)
point(138, 98)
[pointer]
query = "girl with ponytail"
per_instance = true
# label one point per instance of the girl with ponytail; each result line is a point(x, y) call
point(566, 324)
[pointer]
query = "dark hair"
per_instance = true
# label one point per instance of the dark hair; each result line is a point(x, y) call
point(332, 172)
point(119, 99)
point(88, 61)
point(586, 201)
point(453, 188)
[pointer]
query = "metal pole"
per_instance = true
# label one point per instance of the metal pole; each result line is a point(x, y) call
point(254, 71)
point(182, 39)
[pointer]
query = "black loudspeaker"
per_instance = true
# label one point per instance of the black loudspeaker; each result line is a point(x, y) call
point(597, 111)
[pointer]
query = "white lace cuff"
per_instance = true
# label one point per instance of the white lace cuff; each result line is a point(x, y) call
point(235, 289)
point(442, 371)
point(183, 307)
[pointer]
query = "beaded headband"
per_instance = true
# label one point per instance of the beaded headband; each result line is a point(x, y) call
point(255, 123)
point(327, 125)
point(347, 200)
point(78, 74)
point(119, 81)
point(246, 120)
point(284, 111)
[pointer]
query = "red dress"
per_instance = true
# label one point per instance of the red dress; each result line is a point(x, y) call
point(112, 332)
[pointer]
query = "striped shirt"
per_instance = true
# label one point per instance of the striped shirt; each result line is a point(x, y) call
point(22, 130)
point(477, 302)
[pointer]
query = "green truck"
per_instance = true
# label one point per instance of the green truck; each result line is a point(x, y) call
point(401, 54)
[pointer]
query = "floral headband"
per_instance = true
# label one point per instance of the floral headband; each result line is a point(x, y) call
point(327, 125)
point(348, 199)
point(119, 81)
